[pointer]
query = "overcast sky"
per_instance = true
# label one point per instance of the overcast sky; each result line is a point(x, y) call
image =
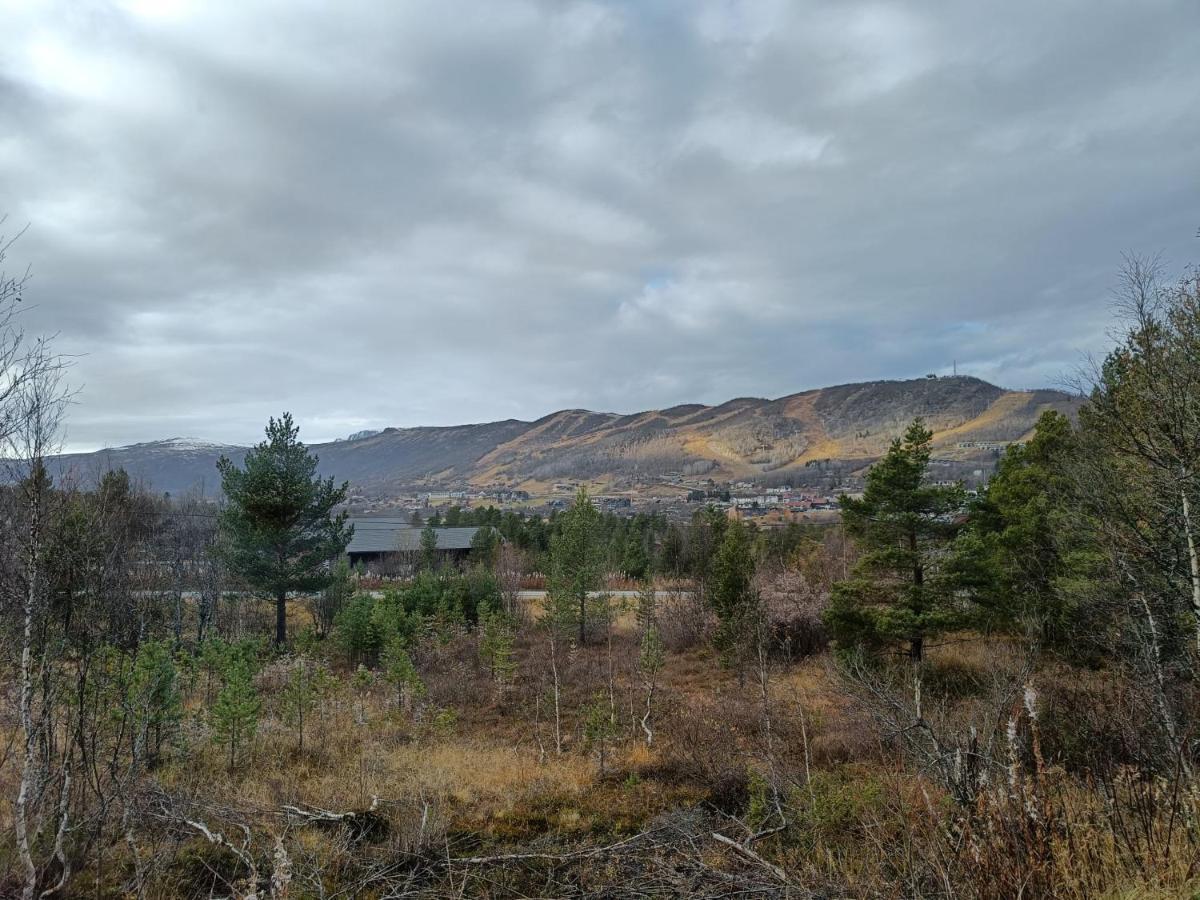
point(410, 213)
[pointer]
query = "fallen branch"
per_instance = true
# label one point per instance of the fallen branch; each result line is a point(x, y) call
point(751, 855)
point(218, 839)
point(360, 825)
point(554, 857)
point(316, 814)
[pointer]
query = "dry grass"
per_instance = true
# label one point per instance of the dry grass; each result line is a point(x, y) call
point(860, 817)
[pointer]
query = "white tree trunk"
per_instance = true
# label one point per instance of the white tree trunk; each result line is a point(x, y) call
point(646, 718)
point(29, 758)
point(1193, 561)
point(1160, 687)
point(557, 710)
point(64, 824)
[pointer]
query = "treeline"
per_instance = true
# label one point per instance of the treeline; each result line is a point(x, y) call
point(1080, 560)
point(1084, 541)
point(638, 546)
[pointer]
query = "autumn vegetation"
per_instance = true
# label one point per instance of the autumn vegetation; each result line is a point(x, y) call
point(944, 695)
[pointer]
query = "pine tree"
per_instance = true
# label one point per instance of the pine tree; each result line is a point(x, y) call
point(356, 631)
point(305, 686)
point(496, 649)
point(575, 565)
point(235, 713)
point(1021, 550)
point(704, 537)
point(399, 671)
point(635, 562)
point(154, 695)
point(671, 553)
point(901, 589)
point(278, 529)
point(732, 595)
point(485, 545)
point(429, 546)
point(599, 728)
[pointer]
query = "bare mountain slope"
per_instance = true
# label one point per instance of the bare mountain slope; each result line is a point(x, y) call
point(741, 438)
point(747, 437)
point(176, 465)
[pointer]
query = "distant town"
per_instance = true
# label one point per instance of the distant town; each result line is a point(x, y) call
point(676, 497)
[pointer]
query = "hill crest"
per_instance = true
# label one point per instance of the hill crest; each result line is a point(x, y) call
point(741, 439)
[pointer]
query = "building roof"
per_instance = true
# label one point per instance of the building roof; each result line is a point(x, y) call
point(387, 534)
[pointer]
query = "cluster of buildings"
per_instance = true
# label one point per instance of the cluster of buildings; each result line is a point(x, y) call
point(467, 497)
point(744, 497)
point(421, 501)
point(982, 445)
point(601, 502)
point(777, 499)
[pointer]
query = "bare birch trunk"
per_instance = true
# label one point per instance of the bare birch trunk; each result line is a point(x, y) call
point(646, 718)
point(1193, 560)
point(557, 710)
point(29, 759)
point(1160, 688)
point(64, 824)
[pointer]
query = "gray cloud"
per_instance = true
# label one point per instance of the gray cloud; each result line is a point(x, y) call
point(433, 213)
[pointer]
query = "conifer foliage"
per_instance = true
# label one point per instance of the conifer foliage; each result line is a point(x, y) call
point(278, 528)
point(902, 589)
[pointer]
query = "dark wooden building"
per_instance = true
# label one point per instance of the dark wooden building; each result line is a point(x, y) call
point(390, 544)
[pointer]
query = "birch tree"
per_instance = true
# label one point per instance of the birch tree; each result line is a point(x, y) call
point(33, 397)
point(1142, 474)
point(650, 654)
point(34, 431)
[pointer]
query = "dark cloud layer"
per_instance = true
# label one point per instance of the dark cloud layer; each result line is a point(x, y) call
point(434, 213)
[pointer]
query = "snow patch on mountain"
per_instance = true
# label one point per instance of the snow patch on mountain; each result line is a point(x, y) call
point(180, 444)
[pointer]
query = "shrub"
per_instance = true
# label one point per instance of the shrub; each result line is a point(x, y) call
point(793, 608)
point(683, 620)
point(325, 605)
point(1096, 724)
point(953, 677)
point(837, 807)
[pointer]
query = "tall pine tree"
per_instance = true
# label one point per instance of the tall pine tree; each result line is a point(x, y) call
point(278, 528)
point(576, 564)
point(732, 595)
point(902, 589)
point(1024, 547)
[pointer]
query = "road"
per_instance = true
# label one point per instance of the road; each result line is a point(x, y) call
point(538, 595)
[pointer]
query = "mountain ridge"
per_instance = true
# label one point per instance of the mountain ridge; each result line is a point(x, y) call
point(742, 438)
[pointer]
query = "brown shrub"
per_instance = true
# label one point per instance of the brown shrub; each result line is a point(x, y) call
point(1098, 722)
point(683, 620)
point(793, 607)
